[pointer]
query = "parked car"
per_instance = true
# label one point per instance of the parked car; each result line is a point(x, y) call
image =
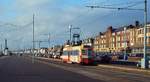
point(121, 56)
point(103, 58)
point(139, 64)
point(136, 55)
point(1, 54)
point(56, 55)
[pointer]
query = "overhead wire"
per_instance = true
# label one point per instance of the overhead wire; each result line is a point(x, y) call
point(134, 4)
point(125, 7)
point(122, 3)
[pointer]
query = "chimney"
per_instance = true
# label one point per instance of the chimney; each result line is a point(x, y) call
point(100, 33)
point(110, 27)
point(137, 23)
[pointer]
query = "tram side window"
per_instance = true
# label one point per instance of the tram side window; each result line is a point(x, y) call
point(87, 52)
point(75, 52)
point(65, 53)
point(70, 52)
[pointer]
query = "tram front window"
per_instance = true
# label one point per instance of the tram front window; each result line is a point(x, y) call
point(84, 52)
point(87, 52)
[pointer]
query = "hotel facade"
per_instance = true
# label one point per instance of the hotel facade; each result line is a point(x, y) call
point(127, 38)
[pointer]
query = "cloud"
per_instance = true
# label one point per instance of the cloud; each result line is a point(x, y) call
point(25, 5)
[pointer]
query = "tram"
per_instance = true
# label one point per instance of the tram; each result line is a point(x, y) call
point(82, 54)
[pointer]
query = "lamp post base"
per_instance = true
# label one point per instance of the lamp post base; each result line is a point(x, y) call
point(144, 63)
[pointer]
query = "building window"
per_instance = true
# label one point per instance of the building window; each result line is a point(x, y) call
point(113, 34)
point(113, 39)
point(148, 41)
point(118, 33)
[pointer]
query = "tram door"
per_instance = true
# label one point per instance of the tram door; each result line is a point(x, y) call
point(74, 56)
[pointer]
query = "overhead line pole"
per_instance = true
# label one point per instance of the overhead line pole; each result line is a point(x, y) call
point(49, 35)
point(145, 59)
point(70, 28)
point(33, 44)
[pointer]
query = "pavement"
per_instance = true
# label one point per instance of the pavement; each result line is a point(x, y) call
point(125, 68)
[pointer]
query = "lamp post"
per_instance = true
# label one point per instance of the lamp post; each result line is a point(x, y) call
point(144, 61)
point(33, 45)
point(49, 37)
point(70, 27)
point(125, 44)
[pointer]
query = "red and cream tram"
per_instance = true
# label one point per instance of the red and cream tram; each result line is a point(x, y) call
point(82, 54)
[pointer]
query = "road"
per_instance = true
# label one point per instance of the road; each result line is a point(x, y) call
point(20, 69)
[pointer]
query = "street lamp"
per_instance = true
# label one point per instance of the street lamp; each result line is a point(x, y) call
point(49, 37)
point(70, 27)
point(145, 61)
point(33, 45)
point(125, 44)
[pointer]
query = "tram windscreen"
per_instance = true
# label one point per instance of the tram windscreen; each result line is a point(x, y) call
point(87, 52)
point(84, 52)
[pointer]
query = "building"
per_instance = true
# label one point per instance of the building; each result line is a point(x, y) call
point(138, 45)
point(100, 43)
point(88, 41)
point(127, 38)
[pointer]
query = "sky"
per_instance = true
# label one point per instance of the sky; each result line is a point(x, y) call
point(55, 16)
